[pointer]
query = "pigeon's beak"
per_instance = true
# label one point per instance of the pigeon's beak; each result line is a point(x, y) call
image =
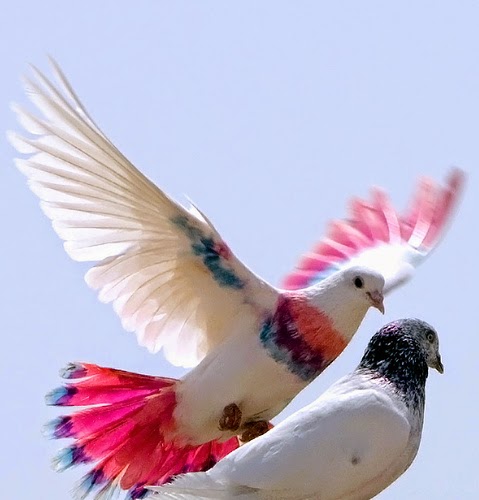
point(438, 364)
point(376, 299)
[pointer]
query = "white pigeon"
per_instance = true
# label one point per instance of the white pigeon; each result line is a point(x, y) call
point(350, 444)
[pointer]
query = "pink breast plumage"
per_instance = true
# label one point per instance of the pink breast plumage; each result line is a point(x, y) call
point(301, 337)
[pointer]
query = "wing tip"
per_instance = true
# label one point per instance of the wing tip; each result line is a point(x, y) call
point(456, 179)
point(445, 205)
point(361, 234)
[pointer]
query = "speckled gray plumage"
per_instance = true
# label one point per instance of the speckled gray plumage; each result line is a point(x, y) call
point(396, 353)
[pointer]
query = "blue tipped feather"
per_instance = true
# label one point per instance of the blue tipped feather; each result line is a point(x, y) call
point(137, 493)
point(56, 395)
point(58, 428)
point(68, 457)
point(60, 396)
point(93, 480)
point(48, 430)
point(73, 370)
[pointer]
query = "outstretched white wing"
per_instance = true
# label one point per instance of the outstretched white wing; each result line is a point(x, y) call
point(170, 276)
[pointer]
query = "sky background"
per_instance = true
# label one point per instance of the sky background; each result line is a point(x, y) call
point(269, 117)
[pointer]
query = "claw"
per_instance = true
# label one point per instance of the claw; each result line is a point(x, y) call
point(231, 418)
point(252, 430)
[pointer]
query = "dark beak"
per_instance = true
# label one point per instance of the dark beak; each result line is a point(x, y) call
point(377, 299)
point(438, 364)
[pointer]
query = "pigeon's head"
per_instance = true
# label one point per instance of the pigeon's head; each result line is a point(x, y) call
point(427, 338)
point(405, 345)
point(401, 352)
point(362, 285)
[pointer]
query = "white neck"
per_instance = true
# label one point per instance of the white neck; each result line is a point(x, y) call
point(343, 307)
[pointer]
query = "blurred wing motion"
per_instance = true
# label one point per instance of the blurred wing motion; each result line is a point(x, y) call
point(376, 236)
point(167, 271)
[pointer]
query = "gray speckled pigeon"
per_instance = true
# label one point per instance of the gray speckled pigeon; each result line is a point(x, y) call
point(350, 444)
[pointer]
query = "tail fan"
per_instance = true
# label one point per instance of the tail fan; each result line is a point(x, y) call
point(127, 430)
point(376, 236)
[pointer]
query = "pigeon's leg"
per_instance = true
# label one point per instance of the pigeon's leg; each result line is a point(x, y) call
point(252, 430)
point(231, 418)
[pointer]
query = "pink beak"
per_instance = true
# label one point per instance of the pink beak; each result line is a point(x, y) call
point(377, 299)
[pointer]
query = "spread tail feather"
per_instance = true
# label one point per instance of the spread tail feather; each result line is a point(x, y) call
point(129, 434)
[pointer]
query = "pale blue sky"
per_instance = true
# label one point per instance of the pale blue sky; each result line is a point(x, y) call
point(268, 116)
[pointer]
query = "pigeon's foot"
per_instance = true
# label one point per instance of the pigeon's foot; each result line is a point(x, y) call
point(231, 418)
point(252, 430)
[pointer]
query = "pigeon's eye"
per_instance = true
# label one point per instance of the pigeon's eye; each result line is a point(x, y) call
point(358, 282)
point(430, 336)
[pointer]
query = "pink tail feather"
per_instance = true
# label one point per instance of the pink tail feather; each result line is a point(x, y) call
point(130, 437)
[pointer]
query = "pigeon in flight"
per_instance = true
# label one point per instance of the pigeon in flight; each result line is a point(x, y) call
point(173, 281)
point(350, 444)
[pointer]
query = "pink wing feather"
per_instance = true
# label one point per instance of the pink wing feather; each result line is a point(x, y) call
point(377, 236)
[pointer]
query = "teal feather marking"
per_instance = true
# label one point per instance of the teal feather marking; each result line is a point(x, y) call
point(205, 248)
point(73, 370)
point(63, 460)
point(56, 396)
point(92, 481)
point(68, 457)
point(279, 335)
